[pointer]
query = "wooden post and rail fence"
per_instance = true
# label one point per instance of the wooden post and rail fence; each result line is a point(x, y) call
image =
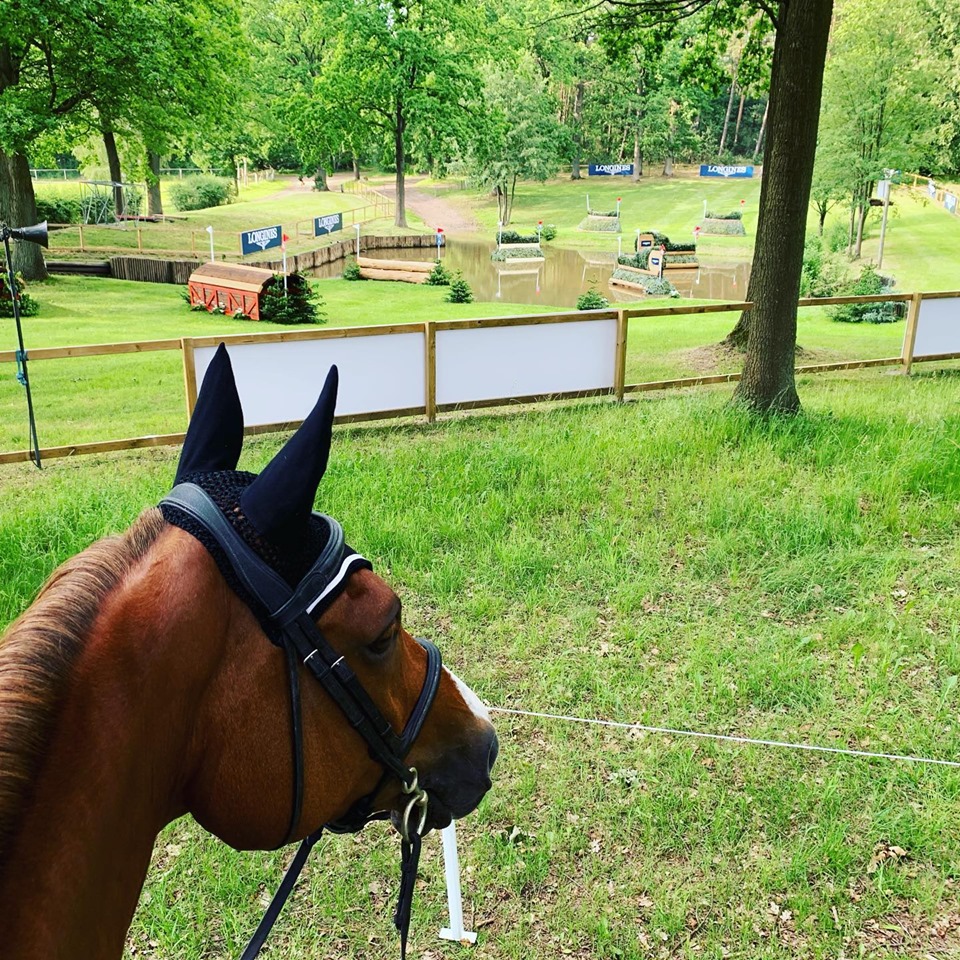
point(432, 367)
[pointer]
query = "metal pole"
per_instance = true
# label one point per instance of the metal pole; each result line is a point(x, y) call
point(883, 224)
point(22, 375)
point(356, 227)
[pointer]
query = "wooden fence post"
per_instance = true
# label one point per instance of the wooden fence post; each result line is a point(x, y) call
point(81, 237)
point(189, 375)
point(430, 370)
point(620, 355)
point(910, 335)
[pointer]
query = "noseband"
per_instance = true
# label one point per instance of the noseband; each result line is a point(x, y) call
point(302, 640)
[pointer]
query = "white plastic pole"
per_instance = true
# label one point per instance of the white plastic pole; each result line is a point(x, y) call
point(212, 255)
point(284, 267)
point(451, 867)
point(620, 245)
point(885, 193)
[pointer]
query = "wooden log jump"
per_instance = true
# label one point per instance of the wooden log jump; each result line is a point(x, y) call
point(406, 271)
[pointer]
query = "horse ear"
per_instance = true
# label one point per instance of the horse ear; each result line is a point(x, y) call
point(279, 502)
point(215, 435)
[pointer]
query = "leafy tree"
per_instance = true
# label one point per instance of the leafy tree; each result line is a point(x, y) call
point(400, 69)
point(877, 109)
point(518, 136)
point(769, 329)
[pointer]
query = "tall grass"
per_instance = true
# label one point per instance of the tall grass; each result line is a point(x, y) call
point(667, 561)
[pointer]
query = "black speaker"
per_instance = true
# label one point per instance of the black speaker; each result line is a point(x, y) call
point(35, 234)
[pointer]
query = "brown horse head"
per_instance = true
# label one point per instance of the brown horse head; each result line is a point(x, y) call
point(360, 616)
point(143, 684)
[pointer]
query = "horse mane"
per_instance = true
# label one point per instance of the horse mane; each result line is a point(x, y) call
point(39, 650)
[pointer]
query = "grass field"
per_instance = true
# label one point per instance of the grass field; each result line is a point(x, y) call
point(667, 562)
point(283, 201)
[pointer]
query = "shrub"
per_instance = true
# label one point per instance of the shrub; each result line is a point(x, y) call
point(869, 283)
point(507, 253)
point(59, 209)
point(592, 300)
point(837, 237)
point(549, 231)
point(351, 270)
point(681, 258)
point(511, 236)
point(200, 192)
point(439, 276)
point(301, 304)
point(733, 215)
point(654, 286)
point(823, 272)
point(723, 227)
point(28, 306)
point(600, 224)
point(638, 260)
point(459, 291)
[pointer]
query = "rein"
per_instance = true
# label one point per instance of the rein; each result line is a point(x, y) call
point(303, 642)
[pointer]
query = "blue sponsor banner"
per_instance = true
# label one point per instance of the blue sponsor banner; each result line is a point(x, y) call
point(328, 224)
point(256, 241)
point(610, 170)
point(721, 170)
point(950, 202)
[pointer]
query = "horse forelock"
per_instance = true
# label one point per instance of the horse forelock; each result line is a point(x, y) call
point(38, 652)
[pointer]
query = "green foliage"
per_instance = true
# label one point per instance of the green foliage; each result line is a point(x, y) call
point(459, 291)
point(592, 300)
point(869, 283)
point(723, 227)
point(439, 276)
point(351, 270)
point(732, 215)
point(517, 253)
point(301, 304)
point(59, 208)
point(681, 258)
point(549, 231)
point(823, 271)
point(201, 192)
point(511, 236)
point(598, 224)
point(640, 259)
point(28, 306)
point(654, 286)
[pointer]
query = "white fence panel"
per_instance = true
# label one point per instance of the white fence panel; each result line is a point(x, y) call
point(938, 327)
point(279, 382)
point(503, 362)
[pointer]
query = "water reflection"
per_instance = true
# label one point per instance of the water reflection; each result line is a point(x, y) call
point(563, 275)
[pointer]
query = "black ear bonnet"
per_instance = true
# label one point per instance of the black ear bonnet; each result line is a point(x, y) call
point(283, 531)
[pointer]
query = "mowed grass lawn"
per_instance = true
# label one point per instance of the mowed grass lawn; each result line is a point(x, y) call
point(283, 201)
point(665, 561)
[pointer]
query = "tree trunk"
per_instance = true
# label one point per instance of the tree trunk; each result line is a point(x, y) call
point(822, 210)
point(736, 129)
point(668, 166)
point(356, 167)
point(726, 116)
point(863, 211)
point(154, 200)
point(320, 179)
point(113, 162)
point(401, 218)
point(763, 127)
point(18, 208)
point(637, 159)
point(578, 131)
point(796, 84)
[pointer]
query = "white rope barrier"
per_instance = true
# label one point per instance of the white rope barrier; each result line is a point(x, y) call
point(727, 738)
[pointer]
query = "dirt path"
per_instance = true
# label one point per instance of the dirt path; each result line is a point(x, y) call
point(435, 211)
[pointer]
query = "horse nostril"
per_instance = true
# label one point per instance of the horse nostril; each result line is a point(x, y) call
point(494, 751)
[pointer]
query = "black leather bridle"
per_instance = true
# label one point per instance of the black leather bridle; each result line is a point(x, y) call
point(303, 642)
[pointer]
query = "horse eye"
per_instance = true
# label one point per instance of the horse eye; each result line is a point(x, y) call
point(382, 644)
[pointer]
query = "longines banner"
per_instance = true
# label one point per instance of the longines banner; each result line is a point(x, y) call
point(611, 169)
point(254, 241)
point(328, 224)
point(719, 170)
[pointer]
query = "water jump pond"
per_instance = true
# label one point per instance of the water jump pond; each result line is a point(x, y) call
point(562, 276)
